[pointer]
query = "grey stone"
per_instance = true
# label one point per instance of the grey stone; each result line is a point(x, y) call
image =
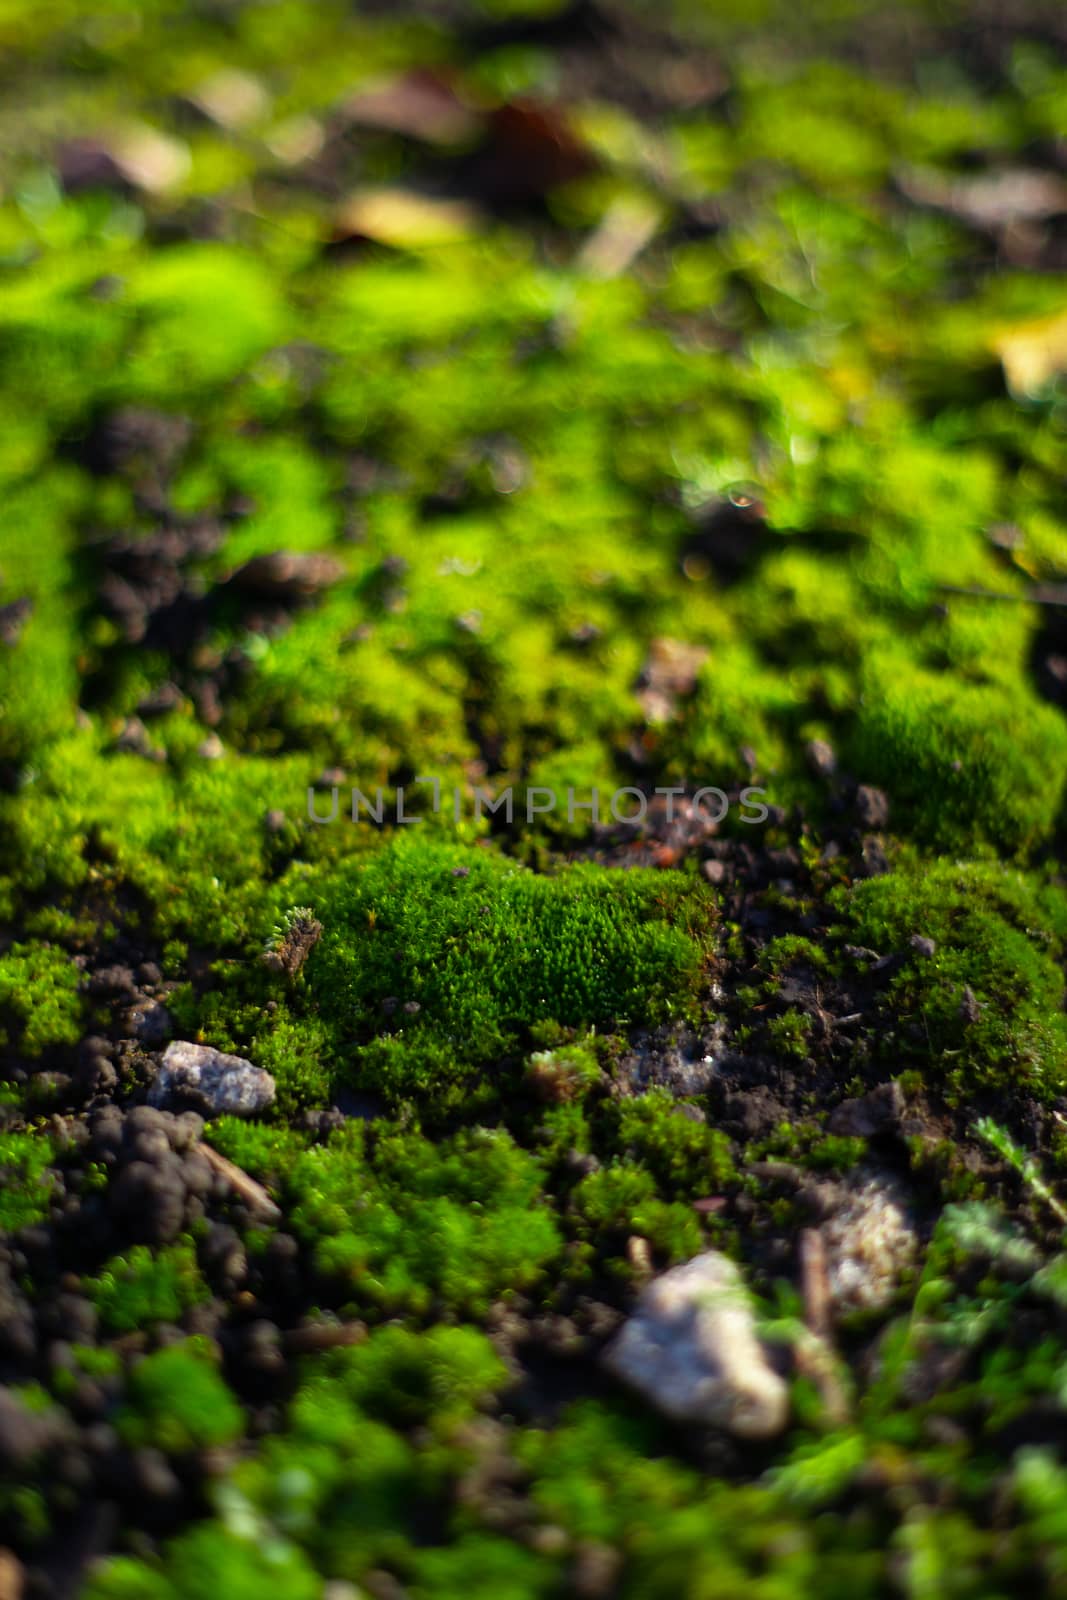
point(210, 1081)
point(691, 1349)
point(870, 1242)
point(871, 1114)
point(149, 1022)
point(821, 758)
point(872, 806)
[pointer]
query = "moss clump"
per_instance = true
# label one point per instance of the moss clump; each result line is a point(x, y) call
point(340, 1484)
point(790, 1033)
point(687, 1158)
point(39, 998)
point(609, 1207)
point(176, 1401)
point(465, 951)
point(26, 1184)
point(568, 1073)
point(146, 1286)
point(949, 755)
point(209, 1560)
point(409, 1225)
point(403, 1377)
point(986, 1007)
point(791, 949)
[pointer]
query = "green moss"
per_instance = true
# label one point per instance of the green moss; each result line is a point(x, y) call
point(986, 1007)
point(791, 949)
point(790, 1033)
point(567, 1073)
point(39, 995)
point(687, 1158)
point(268, 1152)
point(339, 1483)
point(947, 754)
point(403, 1377)
point(621, 1201)
point(201, 1561)
point(176, 1401)
point(471, 951)
point(518, 467)
point(28, 1185)
point(408, 1225)
point(146, 1286)
point(485, 1567)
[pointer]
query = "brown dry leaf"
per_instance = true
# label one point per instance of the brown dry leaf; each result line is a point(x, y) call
point(667, 676)
point(403, 219)
point(993, 200)
point(420, 104)
point(285, 575)
point(297, 139)
point(627, 226)
point(532, 149)
point(1032, 352)
point(232, 99)
point(150, 160)
point(12, 1577)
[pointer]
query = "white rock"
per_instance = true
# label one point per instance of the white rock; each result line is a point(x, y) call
point(870, 1241)
point(213, 1082)
point(691, 1349)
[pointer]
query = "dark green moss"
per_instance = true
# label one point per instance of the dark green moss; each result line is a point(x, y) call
point(146, 1286)
point(28, 1183)
point(176, 1401)
point(985, 1007)
point(411, 1226)
point(464, 952)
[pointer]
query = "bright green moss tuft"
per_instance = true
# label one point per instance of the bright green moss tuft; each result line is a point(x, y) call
point(176, 1401)
point(950, 757)
point(409, 1225)
point(463, 952)
point(39, 998)
point(143, 1287)
point(207, 1561)
point(986, 1007)
point(609, 1206)
point(567, 1073)
point(403, 1377)
point(26, 1184)
point(686, 1157)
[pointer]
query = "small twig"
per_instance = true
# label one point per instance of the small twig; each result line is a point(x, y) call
point(815, 1359)
point(252, 1193)
point(815, 1283)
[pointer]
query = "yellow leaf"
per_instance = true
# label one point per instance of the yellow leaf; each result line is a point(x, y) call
point(1033, 352)
point(398, 217)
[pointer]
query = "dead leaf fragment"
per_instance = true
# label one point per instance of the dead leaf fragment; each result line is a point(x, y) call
point(1033, 352)
point(627, 226)
point(283, 575)
point(992, 200)
point(404, 219)
point(150, 160)
point(668, 675)
point(231, 98)
point(420, 104)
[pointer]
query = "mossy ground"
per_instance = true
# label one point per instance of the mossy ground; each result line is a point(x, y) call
point(656, 399)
